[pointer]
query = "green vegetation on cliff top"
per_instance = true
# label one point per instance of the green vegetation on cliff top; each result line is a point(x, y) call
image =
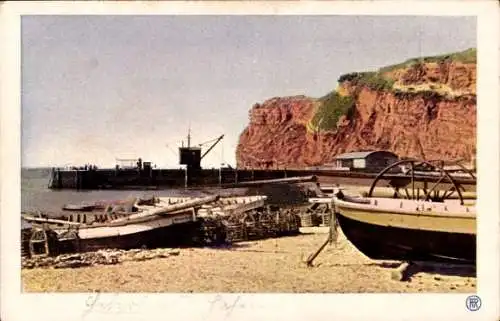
point(377, 81)
point(468, 56)
point(333, 105)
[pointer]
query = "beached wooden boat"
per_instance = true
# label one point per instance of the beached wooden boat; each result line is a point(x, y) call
point(167, 220)
point(409, 230)
point(148, 225)
point(105, 211)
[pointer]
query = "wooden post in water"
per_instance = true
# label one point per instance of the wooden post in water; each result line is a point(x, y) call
point(51, 178)
point(60, 179)
point(76, 179)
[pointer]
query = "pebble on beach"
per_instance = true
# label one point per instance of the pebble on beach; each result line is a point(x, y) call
point(100, 257)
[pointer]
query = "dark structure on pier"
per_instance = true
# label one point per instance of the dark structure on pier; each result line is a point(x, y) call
point(142, 174)
point(191, 157)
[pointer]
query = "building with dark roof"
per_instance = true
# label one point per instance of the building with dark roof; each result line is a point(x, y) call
point(366, 160)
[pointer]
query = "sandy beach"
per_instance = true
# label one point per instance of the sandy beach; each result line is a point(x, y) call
point(272, 265)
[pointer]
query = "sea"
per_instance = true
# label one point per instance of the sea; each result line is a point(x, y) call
point(36, 195)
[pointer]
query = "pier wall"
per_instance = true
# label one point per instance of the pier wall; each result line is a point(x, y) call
point(110, 178)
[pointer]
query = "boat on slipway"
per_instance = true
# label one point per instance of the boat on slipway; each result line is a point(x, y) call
point(408, 230)
point(417, 222)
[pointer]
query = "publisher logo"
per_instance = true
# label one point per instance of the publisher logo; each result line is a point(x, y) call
point(473, 303)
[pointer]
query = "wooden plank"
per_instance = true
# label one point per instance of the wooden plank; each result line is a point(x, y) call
point(165, 210)
point(42, 220)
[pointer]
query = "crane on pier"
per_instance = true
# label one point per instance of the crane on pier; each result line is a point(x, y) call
point(215, 140)
point(192, 156)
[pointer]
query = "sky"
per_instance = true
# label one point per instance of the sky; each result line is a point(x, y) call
point(98, 88)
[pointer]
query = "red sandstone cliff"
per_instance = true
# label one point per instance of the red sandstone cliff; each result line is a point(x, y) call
point(429, 113)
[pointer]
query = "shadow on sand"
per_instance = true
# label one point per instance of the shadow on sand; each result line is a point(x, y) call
point(442, 269)
point(244, 245)
point(436, 268)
